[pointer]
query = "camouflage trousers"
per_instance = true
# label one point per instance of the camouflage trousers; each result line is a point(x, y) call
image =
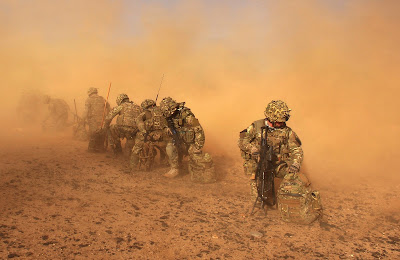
point(157, 137)
point(201, 166)
point(250, 168)
point(93, 125)
point(118, 132)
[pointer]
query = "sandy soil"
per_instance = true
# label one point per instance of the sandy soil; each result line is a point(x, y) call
point(58, 201)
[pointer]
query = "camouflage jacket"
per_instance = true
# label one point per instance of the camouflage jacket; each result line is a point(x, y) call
point(188, 127)
point(286, 145)
point(94, 108)
point(58, 108)
point(151, 119)
point(127, 113)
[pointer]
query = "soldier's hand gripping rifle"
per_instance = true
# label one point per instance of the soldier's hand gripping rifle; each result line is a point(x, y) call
point(175, 137)
point(265, 174)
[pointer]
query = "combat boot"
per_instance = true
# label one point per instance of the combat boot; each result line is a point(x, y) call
point(117, 150)
point(172, 173)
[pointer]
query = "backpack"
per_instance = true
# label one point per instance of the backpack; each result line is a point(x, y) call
point(297, 202)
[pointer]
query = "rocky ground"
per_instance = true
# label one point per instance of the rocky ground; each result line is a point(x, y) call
point(58, 201)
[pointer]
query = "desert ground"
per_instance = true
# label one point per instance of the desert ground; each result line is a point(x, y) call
point(57, 201)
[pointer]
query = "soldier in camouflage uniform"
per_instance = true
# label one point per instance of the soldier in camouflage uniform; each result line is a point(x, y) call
point(57, 117)
point(187, 139)
point(286, 145)
point(151, 124)
point(93, 115)
point(125, 126)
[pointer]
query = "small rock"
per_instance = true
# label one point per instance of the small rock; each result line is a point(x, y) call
point(256, 234)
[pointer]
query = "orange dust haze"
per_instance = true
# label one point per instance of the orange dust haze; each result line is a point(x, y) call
point(336, 66)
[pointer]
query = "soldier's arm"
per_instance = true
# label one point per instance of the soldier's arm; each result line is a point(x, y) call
point(296, 152)
point(140, 122)
point(115, 111)
point(193, 122)
point(246, 142)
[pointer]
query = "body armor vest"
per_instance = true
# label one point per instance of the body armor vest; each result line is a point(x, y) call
point(96, 107)
point(278, 138)
point(128, 114)
point(155, 120)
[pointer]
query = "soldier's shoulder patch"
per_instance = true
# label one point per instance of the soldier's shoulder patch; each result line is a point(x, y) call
point(295, 136)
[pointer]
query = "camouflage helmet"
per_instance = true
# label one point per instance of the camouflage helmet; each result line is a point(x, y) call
point(168, 106)
point(121, 97)
point(148, 103)
point(92, 91)
point(277, 111)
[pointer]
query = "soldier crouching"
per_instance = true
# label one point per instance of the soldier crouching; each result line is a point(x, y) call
point(125, 126)
point(187, 139)
point(151, 124)
point(286, 145)
point(295, 199)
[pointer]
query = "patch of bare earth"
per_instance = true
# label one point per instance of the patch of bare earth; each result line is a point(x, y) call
point(59, 201)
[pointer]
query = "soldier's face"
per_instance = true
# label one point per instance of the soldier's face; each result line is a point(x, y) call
point(276, 124)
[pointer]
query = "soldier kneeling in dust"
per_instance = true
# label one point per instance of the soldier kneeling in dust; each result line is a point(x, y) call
point(296, 201)
point(125, 126)
point(187, 139)
point(151, 124)
point(57, 117)
point(93, 115)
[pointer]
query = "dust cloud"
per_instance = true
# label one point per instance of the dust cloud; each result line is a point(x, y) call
point(335, 65)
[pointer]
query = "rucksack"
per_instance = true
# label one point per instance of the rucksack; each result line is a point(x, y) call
point(297, 202)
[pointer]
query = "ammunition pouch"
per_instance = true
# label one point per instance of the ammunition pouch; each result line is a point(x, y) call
point(188, 136)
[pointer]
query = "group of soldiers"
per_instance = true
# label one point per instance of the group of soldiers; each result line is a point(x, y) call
point(271, 150)
point(171, 129)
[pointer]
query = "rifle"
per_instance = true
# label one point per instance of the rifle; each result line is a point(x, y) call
point(77, 118)
point(265, 174)
point(105, 106)
point(177, 141)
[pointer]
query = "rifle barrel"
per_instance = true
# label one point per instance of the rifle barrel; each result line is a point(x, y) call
point(105, 106)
